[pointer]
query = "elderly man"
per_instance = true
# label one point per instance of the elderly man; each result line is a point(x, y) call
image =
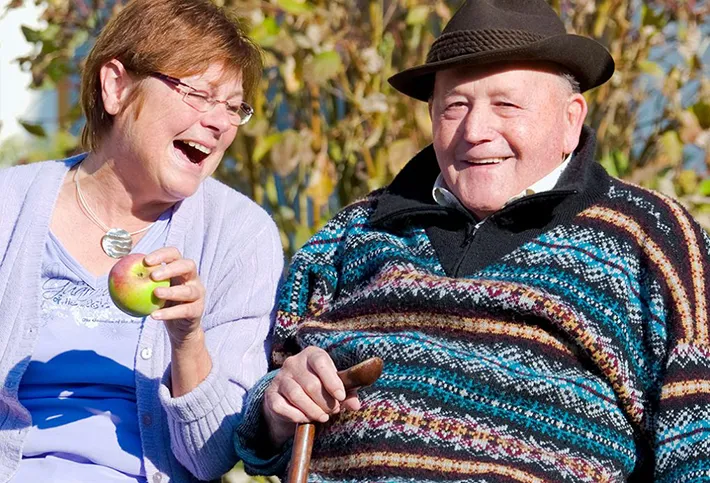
point(538, 319)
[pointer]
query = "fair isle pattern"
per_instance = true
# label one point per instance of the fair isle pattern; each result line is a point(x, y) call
point(580, 356)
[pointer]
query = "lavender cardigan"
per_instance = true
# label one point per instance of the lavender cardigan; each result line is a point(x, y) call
point(238, 253)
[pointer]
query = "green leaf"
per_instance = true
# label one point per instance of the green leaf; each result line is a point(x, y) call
point(607, 162)
point(266, 33)
point(303, 233)
point(702, 112)
point(31, 35)
point(651, 68)
point(671, 147)
point(58, 69)
point(649, 17)
point(418, 15)
point(295, 7)
point(687, 181)
point(621, 161)
point(34, 129)
point(264, 145)
point(323, 67)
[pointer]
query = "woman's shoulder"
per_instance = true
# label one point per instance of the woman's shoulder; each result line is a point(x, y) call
point(226, 202)
point(28, 173)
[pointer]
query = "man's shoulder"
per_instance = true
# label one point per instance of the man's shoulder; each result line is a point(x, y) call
point(646, 207)
point(357, 213)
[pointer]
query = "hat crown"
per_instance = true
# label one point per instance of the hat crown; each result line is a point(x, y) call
point(485, 32)
point(481, 26)
point(534, 16)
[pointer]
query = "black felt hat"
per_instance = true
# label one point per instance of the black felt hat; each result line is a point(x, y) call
point(490, 31)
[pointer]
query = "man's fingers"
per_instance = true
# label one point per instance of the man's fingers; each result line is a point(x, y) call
point(282, 410)
point(320, 364)
point(297, 397)
point(351, 402)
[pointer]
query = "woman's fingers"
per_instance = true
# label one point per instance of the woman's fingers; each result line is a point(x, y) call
point(181, 269)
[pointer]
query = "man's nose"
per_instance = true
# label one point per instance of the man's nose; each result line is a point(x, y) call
point(478, 124)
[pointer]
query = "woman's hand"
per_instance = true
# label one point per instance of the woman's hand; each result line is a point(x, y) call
point(190, 361)
point(185, 297)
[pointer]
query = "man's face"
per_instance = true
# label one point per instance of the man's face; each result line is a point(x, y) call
point(498, 131)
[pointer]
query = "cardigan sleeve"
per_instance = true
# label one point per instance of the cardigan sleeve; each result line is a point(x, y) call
point(237, 320)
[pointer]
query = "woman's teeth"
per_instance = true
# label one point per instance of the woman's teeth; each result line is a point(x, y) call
point(199, 147)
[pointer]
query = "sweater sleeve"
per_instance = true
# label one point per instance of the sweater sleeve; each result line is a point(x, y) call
point(309, 286)
point(681, 423)
point(237, 320)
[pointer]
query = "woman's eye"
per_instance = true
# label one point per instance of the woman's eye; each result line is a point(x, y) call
point(200, 96)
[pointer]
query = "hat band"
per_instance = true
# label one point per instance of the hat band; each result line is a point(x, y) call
point(466, 42)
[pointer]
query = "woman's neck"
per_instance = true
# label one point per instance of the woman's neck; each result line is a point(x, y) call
point(118, 198)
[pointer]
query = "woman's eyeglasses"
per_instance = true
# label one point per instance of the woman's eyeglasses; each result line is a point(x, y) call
point(203, 102)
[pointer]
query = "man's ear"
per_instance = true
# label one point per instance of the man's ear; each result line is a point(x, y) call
point(115, 86)
point(575, 113)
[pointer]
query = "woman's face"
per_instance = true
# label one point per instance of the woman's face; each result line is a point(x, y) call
point(164, 144)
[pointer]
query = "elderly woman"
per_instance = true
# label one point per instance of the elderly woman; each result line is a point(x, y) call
point(91, 393)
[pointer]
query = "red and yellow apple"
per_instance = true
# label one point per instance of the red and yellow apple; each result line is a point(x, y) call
point(131, 287)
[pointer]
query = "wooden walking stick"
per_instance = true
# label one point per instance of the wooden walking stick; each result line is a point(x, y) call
point(359, 375)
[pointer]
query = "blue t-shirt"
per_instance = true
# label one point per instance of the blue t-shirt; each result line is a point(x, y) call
point(79, 386)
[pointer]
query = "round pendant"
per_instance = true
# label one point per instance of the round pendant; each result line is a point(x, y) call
point(116, 243)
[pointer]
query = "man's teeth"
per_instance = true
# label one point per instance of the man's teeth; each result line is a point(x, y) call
point(199, 147)
point(488, 161)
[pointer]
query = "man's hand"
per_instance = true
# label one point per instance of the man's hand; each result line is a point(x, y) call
point(306, 389)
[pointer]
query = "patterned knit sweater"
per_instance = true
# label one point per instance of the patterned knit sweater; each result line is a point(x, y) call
point(564, 340)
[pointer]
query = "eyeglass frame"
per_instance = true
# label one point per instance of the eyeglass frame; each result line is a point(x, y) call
point(211, 101)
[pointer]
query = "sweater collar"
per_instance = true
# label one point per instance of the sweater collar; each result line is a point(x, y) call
point(409, 195)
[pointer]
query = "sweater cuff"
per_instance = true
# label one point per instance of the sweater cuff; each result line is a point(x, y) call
point(199, 402)
point(251, 440)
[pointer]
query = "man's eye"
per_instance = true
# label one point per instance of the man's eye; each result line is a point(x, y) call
point(505, 104)
point(456, 105)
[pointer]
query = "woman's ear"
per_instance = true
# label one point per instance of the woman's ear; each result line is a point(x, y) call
point(115, 86)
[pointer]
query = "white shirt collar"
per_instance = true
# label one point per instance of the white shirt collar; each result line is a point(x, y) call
point(444, 197)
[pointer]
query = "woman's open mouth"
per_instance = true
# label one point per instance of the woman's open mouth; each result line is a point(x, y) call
point(193, 151)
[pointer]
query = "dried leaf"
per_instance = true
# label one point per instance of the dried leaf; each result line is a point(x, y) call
point(400, 152)
point(322, 67)
point(322, 180)
point(418, 15)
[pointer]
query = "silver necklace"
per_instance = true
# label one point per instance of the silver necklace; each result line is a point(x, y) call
point(117, 242)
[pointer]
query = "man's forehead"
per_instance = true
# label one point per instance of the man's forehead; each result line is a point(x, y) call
point(506, 75)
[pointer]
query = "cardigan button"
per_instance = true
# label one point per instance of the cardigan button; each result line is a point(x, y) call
point(147, 419)
point(147, 353)
point(157, 478)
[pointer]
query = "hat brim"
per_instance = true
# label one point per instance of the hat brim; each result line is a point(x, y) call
point(589, 62)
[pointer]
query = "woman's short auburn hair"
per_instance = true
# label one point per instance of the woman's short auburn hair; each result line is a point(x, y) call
point(179, 38)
